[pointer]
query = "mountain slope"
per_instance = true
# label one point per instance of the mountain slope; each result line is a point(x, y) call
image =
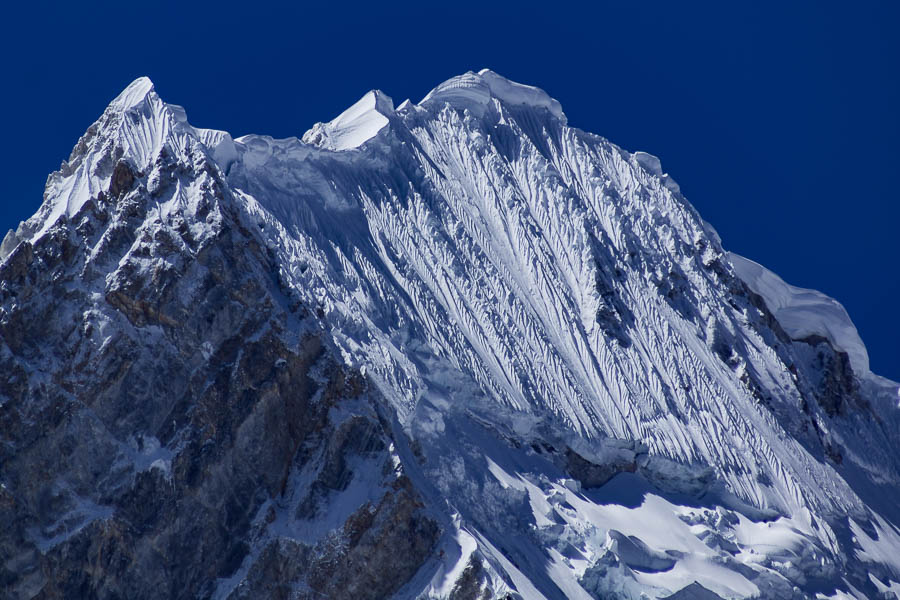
point(548, 377)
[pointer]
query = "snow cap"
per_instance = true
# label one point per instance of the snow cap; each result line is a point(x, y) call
point(474, 91)
point(802, 312)
point(135, 94)
point(355, 126)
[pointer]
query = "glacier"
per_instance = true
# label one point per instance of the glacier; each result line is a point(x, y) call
point(565, 371)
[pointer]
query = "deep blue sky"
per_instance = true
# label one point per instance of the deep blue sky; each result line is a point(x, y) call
point(779, 122)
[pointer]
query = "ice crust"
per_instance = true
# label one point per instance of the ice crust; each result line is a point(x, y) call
point(802, 312)
point(474, 91)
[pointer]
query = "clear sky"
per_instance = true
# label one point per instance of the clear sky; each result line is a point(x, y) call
point(780, 120)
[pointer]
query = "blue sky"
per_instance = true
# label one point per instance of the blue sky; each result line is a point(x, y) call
point(779, 120)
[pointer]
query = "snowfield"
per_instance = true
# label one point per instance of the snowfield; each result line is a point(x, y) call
point(592, 397)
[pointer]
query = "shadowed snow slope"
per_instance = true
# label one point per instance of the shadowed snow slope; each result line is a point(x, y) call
point(583, 391)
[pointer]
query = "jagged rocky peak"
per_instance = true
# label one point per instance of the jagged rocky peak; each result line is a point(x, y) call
point(454, 350)
point(130, 143)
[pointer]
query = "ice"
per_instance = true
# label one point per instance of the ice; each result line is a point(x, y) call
point(473, 91)
point(648, 162)
point(802, 312)
point(355, 126)
point(134, 95)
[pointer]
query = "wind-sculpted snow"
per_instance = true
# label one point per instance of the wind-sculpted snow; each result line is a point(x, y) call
point(803, 313)
point(596, 400)
point(355, 126)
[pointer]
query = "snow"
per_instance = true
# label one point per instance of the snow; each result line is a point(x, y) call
point(882, 548)
point(649, 162)
point(505, 281)
point(472, 286)
point(720, 580)
point(81, 513)
point(146, 453)
point(653, 165)
point(520, 581)
point(355, 126)
point(134, 95)
point(473, 91)
point(802, 312)
point(220, 145)
point(456, 558)
point(886, 588)
point(139, 124)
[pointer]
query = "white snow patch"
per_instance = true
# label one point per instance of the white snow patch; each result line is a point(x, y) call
point(884, 548)
point(355, 126)
point(649, 162)
point(652, 165)
point(134, 94)
point(891, 587)
point(473, 91)
point(454, 562)
point(803, 312)
point(220, 145)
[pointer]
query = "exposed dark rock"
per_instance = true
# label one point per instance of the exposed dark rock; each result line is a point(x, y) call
point(590, 474)
point(378, 549)
point(613, 315)
point(171, 408)
point(472, 585)
point(123, 177)
point(835, 387)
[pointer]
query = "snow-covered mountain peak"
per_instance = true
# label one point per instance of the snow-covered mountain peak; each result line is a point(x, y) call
point(152, 123)
point(355, 126)
point(127, 150)
point(585, 392)
point(134, 94)
point(474, 91)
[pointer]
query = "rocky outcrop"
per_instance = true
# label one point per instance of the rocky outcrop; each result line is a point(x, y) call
point(835, 386)
point(591, 474)
point(377, 550)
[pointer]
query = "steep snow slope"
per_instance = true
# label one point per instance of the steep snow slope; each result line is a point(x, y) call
point(592, 398)
point(354, 126)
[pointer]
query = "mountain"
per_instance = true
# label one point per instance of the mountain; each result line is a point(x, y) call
point(454, 349)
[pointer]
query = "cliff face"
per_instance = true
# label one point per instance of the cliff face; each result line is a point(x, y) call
point(450, 350)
